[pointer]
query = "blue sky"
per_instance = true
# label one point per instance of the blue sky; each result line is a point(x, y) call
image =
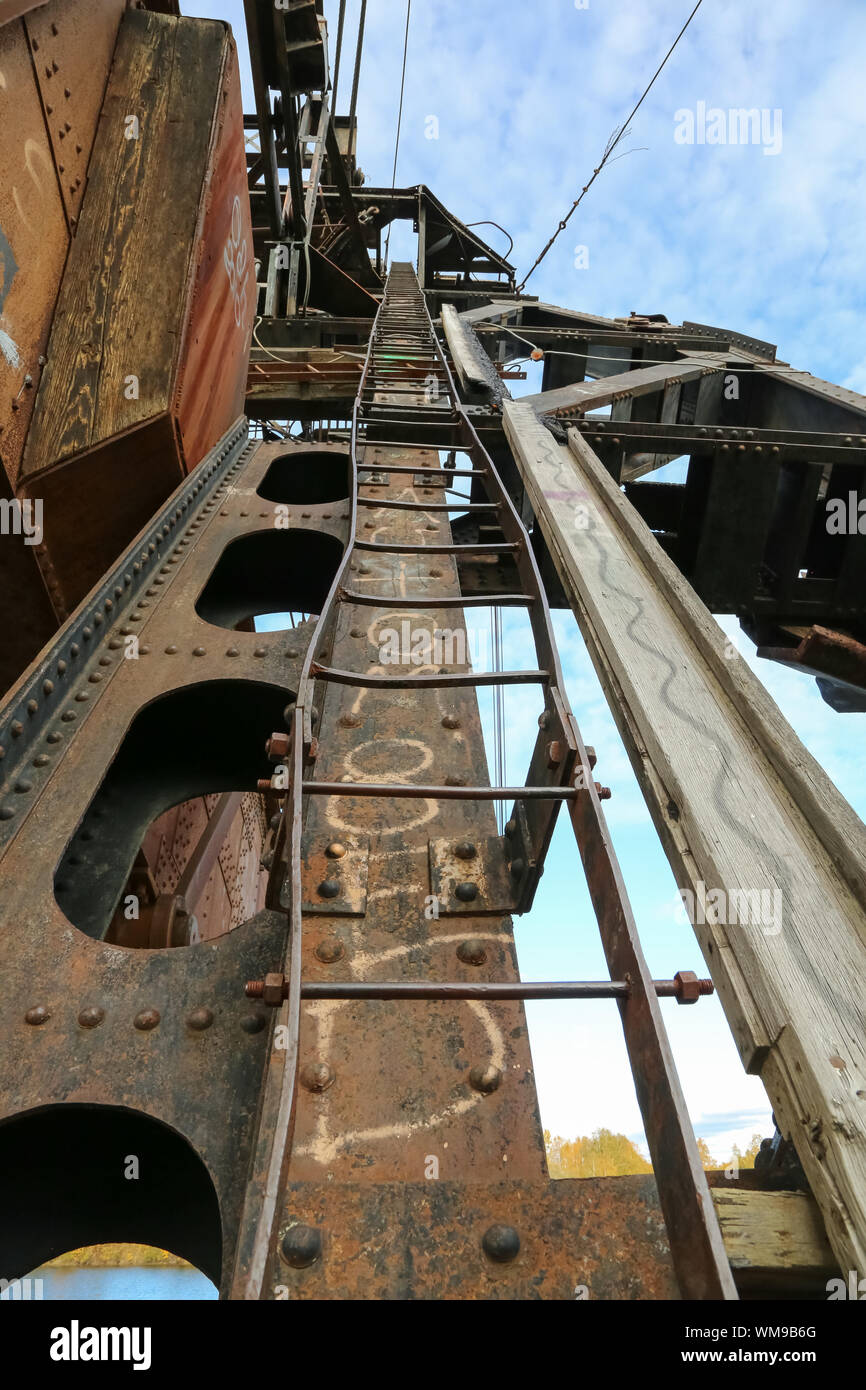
point(526, 97)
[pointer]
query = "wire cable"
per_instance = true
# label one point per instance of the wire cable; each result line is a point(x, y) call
point(611, 146)
point(399, 123)
point(340, 22)
point(357, 76)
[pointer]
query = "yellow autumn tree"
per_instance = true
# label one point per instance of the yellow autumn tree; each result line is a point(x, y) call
point(602, 1154)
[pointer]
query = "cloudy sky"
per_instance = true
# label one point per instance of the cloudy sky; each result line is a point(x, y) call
point(526, 96)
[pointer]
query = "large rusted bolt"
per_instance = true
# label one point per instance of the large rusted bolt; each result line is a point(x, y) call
point(554, 754)
point(277, 747)
point(690, 988)
point(272, 990)
point(603, 793)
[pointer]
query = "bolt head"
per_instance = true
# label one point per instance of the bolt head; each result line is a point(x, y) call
point(200, 1019)
point(485, 1079)
point(466, 850)
point(472, 952)
point(335, 850)
point(301, 1246)
point(330, 950)
point(329, 889)
point(146, 1020)
point(277, 747)
point(688, 991)
point(501, 1243)
point(555, 753)
point(467, 892)
point(317, 1077)
point(91, 1017)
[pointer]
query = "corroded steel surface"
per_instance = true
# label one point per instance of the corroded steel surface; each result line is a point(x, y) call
point(33, 241)
point(595, 1238)
point(72, 45)
point(165, 1033)
point(212, 371)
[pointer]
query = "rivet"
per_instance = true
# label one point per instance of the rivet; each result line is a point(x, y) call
point(199, 651)
point(357, 632)
point(317, 1076)
point(301, 1246)
point(232, 651)
point(510, 829)
point(329, 889)
point(466, 850)
point(200, 1019)
point(147, 1019)
point(91, 1017)
point(37, 1015)
point(501, 1243)
point(47, 687)
point(253, 1023)
point(335, 850)
point(171, 651)
point(485, 1079)
point(467, 892)
point(260, 651)
point(472, 952)
point(450, 722)
point(16, 728)
point(41, 761)
point(330, 950)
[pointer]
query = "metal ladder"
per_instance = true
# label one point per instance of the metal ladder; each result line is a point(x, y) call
point(406, 401)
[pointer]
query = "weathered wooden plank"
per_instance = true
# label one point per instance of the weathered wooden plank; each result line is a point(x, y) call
point(467, 364)
point(775, 1241)
point(118, 312)
point(741, 808)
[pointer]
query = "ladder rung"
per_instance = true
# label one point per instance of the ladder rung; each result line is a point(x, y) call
point(482, 989)
point(413, 792)
point(439, 681)
point(432, 601)
point(427, 506)
point(467, 549)
point(440, 475)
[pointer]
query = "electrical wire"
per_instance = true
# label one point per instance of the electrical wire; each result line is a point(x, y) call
point(609, 149)
point(399, 123)
point(488, 222)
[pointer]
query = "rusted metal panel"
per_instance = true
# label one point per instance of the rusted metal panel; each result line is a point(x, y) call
point(33, 242)
point(471, 876)
point(72, 45)
point(13, 9)
point(587, 1238)
point(212, 372)
point(334, 876)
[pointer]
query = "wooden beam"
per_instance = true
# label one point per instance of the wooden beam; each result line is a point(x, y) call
point(470, 370)
point(741, 808)
point(775, 1242)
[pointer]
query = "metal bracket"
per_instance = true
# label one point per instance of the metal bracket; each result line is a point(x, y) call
point(470, 877)
point(333, 875)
